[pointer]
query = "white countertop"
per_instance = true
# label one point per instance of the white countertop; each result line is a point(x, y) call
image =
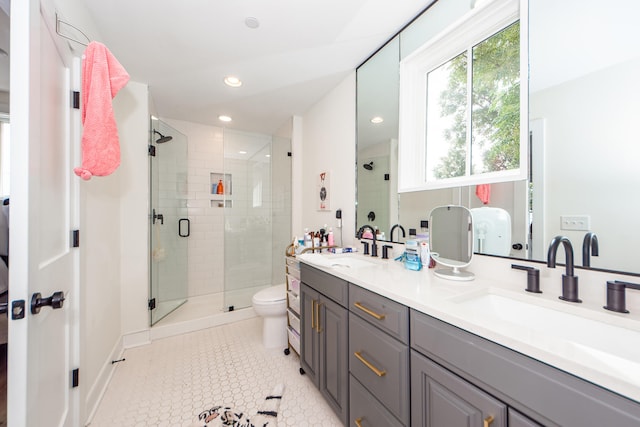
point(582, 339)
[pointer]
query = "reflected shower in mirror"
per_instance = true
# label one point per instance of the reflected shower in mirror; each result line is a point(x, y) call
point(451, 241)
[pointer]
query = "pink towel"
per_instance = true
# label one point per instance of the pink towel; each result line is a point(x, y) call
point(102, 77)
point(483, 191)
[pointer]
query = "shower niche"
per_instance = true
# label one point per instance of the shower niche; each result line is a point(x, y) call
point(220, 187)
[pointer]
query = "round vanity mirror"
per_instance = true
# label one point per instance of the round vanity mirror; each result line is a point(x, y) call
point(451, 241)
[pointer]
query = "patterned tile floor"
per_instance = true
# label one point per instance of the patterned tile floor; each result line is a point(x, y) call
point(170, 381)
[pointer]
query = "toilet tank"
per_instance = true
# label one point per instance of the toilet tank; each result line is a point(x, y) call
point(491, 231)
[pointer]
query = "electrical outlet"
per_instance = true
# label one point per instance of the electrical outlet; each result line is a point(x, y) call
point(575, 222)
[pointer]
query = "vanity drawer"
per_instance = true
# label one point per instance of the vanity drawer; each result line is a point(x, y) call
point(381, 364)
point(390, 316)
point(325, 283)
point(365, 409)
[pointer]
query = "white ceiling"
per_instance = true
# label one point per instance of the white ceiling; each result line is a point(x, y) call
point(301, 50)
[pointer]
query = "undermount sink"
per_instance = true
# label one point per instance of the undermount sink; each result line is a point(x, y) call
point(587, 337)
point(350, 262)
point(332, 261)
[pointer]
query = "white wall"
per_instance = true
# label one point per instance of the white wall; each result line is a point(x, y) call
point(571, 153)
point(114, 236)
point(132, 113)
point(327, 144)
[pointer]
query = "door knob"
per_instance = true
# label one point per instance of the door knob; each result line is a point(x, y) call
point(55, 301)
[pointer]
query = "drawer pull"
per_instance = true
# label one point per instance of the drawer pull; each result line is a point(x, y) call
point(359, 422)
point(368, 364)
point(488, 421)
point(318, 318)
point(369, 312)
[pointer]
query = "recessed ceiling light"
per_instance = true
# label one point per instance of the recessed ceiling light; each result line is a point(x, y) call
point(242, 152)
point(252, 22)
point(267, 155)
point(224, 118)
point(232, 81)
point(377, 120)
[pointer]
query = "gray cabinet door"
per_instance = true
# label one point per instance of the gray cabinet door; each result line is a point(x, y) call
point(442, 399)
point(334, 359)
point(309, 337)
point(516, 419)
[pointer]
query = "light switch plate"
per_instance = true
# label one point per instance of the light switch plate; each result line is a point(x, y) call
point(575, 222)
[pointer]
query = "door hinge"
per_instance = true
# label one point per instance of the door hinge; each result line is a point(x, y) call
point(76, 100)
point(152, 303)
point(75, 378)
point(75, 238)
point(152, 150)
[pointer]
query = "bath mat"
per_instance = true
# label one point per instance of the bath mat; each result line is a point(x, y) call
point(267, 416)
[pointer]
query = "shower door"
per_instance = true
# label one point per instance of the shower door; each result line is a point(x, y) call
point(247, 217)
point(168, 222)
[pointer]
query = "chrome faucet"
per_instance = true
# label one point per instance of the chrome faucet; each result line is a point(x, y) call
point(569, 281)
point(393, 229)
point(374, 246)
point(589, 248)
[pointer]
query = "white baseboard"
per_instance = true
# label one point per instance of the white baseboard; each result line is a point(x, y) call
point(136, 339)
point(187, 326)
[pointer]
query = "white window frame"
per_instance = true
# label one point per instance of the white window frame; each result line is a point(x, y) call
point(479, 24)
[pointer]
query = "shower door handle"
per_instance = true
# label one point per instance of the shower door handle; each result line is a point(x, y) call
point(180, 222)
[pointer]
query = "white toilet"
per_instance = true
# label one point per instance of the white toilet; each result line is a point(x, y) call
point(271, 305)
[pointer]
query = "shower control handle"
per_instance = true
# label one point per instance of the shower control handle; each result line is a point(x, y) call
point(157, 216)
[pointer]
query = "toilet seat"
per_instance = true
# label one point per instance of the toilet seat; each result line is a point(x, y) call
point(273, 294)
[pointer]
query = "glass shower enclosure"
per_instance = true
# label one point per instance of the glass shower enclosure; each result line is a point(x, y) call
point(248, 220)
point(169, 225)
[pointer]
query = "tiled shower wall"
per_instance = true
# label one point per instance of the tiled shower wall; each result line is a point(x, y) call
point(206, 243)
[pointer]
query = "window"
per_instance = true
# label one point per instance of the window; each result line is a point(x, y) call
point(462, 103)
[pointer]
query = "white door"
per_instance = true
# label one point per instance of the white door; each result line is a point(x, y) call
point(42, 347)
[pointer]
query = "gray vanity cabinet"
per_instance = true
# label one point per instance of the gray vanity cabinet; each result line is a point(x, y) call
point(450, 364)
point(442, 399)
point(324, 336)
point(379, 359)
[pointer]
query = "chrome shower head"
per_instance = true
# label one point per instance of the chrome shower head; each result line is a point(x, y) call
point(368, 166)
point(162, 138)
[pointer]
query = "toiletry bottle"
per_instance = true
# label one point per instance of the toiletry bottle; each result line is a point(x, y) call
point(307, 238)
point(220, 187)
point(330, 240)
point(214, 188)
point(425, 255)
point(316, 240)
point(412, 255)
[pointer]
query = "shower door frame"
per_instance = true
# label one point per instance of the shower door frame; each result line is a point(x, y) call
point(168, 248)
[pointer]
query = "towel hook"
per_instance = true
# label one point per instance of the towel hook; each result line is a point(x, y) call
point(58, 31)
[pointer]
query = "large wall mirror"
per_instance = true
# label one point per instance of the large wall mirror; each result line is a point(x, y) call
point(584, 63)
